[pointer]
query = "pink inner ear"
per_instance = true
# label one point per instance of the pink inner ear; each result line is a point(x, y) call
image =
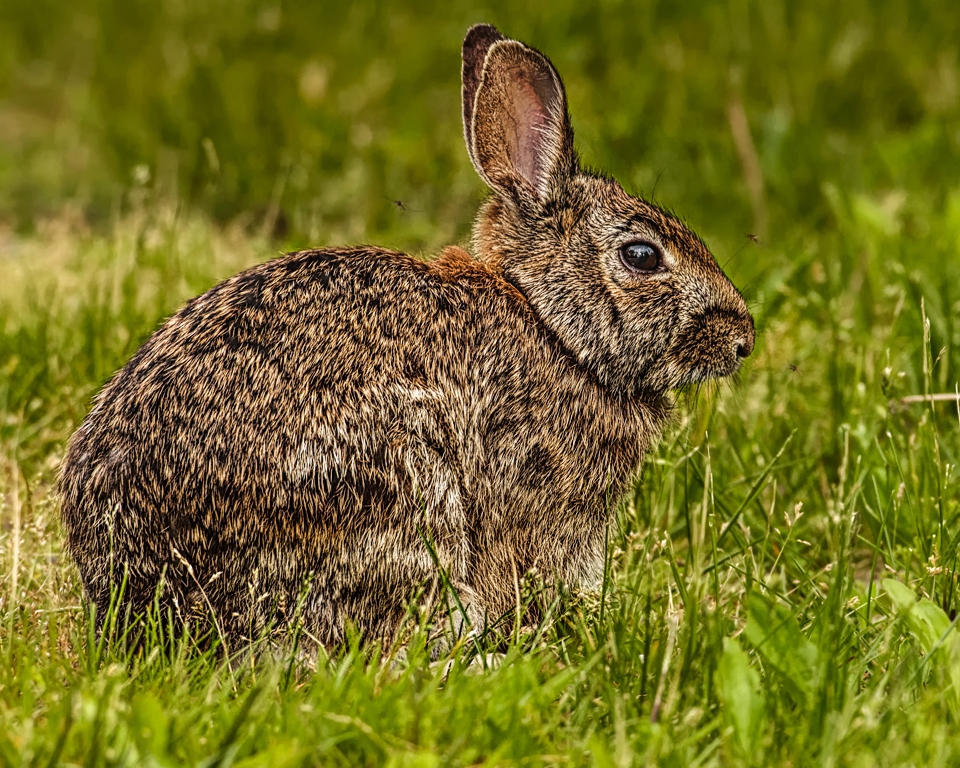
point(535, 133)
point(531, 128)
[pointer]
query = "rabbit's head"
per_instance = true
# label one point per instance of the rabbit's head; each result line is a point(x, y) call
point(633, 294)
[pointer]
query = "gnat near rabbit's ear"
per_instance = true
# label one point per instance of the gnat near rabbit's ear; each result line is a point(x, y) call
point(518, 134)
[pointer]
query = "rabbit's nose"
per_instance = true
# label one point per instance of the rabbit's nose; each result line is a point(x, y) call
point(744, 345)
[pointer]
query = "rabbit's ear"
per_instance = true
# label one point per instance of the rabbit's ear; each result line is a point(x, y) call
point(517, 129)
point(475, 47)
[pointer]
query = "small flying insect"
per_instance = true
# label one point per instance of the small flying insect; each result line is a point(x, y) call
point(400, 205)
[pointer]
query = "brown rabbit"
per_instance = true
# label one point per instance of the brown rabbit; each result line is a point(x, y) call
point(311, 423)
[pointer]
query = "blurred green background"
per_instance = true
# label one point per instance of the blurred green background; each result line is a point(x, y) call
point(310, 117)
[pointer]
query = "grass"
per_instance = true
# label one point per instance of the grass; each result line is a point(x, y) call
point(783, 579)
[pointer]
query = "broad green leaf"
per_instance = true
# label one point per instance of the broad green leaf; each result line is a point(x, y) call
point(932, 628)
point(773, 630)
point(149, 725)
point(926, 619)
point(600, 753)
point(738, 686)
point(280, 756)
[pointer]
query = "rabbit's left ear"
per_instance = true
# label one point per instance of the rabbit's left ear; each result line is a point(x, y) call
point(515, 117)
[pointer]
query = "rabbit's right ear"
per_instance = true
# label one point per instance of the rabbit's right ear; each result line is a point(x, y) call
point(515, 116)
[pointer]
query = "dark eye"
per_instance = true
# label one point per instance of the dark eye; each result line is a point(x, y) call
point(641, 257)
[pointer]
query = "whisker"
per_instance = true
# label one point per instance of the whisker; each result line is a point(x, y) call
point(653, 192)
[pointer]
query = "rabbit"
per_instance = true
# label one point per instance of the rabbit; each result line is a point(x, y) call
point(330, 434)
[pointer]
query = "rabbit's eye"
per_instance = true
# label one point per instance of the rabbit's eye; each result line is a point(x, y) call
point(641, 257)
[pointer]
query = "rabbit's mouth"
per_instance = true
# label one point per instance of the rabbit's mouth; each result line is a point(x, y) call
point(714, 347)
point(701, 375)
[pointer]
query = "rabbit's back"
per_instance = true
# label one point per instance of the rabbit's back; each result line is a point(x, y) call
point(313, 420)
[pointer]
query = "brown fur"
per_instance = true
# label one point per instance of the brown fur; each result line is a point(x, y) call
point(314, 419)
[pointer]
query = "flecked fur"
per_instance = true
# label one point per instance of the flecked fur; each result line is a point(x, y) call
point(313, 420)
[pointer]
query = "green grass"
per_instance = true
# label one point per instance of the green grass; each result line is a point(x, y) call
point(762, 601)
